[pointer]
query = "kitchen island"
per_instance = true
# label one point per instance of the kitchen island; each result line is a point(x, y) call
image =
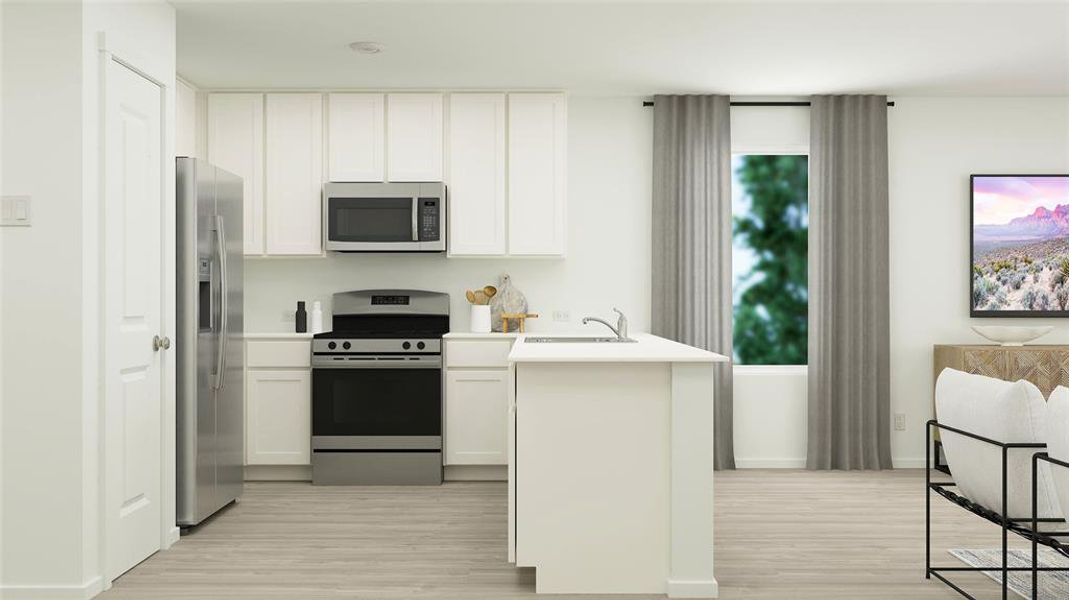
point(611, 466)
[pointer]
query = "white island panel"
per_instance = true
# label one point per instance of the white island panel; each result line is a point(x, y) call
point(593, 477)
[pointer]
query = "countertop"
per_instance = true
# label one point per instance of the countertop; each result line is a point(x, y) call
point(278, 336)
point(466, 335)
point(647, 348)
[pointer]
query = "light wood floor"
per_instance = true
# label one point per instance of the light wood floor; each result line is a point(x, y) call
point(780, 535)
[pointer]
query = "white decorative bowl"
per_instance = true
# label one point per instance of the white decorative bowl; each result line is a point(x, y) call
point(1008, 335)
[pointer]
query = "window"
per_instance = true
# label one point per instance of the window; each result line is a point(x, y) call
point(770, 243)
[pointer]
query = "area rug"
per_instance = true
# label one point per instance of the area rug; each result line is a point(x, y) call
point(1053, 585)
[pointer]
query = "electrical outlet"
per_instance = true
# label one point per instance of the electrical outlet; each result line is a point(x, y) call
point(289, 316)
point(562, 316)
point(900, 421)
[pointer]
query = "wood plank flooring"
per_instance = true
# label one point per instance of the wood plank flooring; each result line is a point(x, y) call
point(779, 535)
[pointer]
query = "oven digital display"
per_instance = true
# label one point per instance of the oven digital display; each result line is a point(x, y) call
point(389, 300)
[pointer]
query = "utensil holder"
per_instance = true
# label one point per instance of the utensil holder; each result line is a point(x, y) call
point(480, 318)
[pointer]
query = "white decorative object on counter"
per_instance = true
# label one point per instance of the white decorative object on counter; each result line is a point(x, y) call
point(317, 317)
point(1007, 335)
point(480, 318)
point(508, 299)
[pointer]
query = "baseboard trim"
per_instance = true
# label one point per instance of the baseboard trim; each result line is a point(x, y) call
point(693, 589)
point(769, 463)
point(908, 463)
point(172, 536)
point(476, 473)
point(278, 472)
point(53, 592)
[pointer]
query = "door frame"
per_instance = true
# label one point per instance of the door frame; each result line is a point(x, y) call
point(112, 48)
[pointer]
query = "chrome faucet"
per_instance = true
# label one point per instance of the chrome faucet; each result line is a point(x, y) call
point(621, 324)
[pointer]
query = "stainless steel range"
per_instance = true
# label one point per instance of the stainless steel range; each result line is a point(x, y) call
point(377, 389)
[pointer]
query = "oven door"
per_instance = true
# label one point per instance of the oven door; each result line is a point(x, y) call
point(369, 403)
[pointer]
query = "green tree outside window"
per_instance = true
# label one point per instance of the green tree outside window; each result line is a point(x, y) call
point(771, 241)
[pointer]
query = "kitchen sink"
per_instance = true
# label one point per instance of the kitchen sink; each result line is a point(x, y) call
point(576, 340)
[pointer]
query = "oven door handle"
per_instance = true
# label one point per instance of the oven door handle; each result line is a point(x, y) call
point(435, 363)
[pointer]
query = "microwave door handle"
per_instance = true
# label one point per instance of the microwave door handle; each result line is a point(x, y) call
point(415, 219)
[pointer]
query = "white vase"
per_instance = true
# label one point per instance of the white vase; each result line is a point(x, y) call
point(480, 318)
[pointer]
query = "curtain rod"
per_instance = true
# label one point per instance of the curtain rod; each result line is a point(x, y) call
point(773, 103)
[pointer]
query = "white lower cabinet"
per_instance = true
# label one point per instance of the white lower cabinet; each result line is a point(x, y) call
point(476, 414)
point(278, 403)
point(476, 400)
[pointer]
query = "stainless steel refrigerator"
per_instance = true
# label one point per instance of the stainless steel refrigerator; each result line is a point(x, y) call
point(211, 354)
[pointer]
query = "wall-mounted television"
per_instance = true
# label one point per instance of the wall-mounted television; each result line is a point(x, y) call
point(1020, 246)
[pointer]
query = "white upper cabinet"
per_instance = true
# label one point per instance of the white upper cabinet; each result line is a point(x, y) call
point(185, 120)
point(294, 173)
point(414, 137)
point(536, 172)
point(476, 144)
point(236, 143)
point(357, 138)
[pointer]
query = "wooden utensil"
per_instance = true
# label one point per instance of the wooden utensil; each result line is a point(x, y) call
point(470, 295)
point(490, 291)
point(480, 297)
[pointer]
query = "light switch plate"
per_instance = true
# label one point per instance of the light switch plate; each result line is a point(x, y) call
point(15, 211)
point(900, 421)
point(562, 316)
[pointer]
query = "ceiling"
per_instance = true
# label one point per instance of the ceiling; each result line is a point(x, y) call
point(1009, 48)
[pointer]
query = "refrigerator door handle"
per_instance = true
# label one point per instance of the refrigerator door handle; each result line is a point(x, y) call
point(224, 285)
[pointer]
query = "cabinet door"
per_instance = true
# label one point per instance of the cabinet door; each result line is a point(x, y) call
point(537, 178)
point(294, 173)
point(357, 139)
point(279, 417)
point(414, 137)
point(476, 174)
point(236, 144)
point(476, 417)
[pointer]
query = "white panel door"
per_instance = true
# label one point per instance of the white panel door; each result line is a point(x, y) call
point(280, 417)
point(537, 177)
point(236, 143)
point(357, 137)
point(294, 174)
point(414, 137)
point(476, 179)
point(132, 315)
point(476, 417)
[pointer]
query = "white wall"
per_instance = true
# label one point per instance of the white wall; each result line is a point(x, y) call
point(935, 144)
point(41, 310)
point(608, 263)
point(50, 278)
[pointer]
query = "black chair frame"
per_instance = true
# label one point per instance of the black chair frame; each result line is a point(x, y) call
point(1026, 527)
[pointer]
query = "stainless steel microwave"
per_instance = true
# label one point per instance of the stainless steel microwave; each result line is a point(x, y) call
point(384, 217)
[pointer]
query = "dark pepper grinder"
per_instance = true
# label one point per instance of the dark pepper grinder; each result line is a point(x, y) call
point(301, 318)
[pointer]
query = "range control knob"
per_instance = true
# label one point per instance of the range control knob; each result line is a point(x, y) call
point(406, 345)
point(346, 345)
point(421, 345)
point(332, 345)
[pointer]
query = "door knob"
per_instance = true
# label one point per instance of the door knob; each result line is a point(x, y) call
point(159, 343)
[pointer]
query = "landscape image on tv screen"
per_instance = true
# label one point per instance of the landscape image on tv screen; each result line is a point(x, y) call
point(1020, 244)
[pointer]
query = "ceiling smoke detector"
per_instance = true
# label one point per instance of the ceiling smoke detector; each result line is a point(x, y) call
point(366, 47)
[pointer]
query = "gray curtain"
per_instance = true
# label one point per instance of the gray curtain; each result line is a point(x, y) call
point(849, 346)
point(692, 238)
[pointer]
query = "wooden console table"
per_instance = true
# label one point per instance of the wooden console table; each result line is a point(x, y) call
point(1045, 366)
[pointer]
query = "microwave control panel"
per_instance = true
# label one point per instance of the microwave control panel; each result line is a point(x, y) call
point(430, 219)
